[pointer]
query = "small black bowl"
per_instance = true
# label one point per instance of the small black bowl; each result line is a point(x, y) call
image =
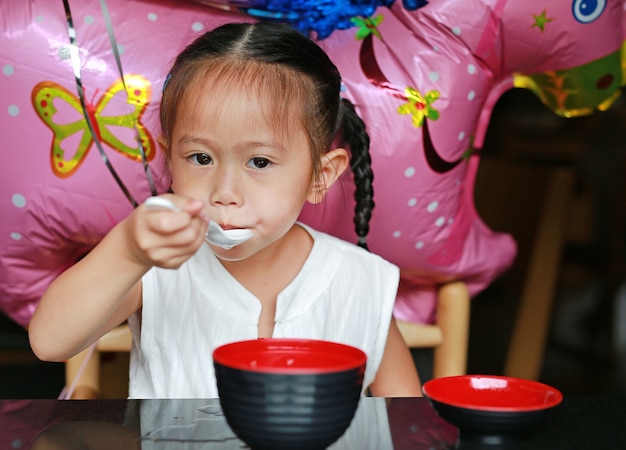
point(289, 393)
point(490, 410)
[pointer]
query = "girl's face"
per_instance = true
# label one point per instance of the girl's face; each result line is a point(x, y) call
point(249, 174)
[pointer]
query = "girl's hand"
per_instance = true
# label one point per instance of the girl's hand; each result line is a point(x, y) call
point(163, 237)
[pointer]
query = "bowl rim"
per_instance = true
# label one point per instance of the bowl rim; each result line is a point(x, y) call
point(427, 389)
point(356, 358)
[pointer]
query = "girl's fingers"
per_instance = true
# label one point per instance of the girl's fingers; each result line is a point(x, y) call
point(167, 234)
point(174, 213)
point(175, 204)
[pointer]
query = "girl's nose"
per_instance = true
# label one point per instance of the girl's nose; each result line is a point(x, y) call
point(226, 189)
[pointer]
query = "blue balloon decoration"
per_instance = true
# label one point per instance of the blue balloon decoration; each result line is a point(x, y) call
point(412, 5)
point(321, 17)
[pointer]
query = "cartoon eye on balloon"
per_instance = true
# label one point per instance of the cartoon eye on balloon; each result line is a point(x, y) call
point(586, 11)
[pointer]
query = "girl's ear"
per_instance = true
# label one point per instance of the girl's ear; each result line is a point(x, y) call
point(334, 163)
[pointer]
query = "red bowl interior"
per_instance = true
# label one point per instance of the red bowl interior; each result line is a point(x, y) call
point(492, 393)
point(278, 355)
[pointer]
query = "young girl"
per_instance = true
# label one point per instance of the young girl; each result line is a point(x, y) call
point(249, 113)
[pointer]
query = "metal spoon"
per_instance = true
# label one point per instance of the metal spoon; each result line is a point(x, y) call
point(216, 235)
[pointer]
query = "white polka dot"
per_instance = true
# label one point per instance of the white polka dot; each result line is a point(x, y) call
point(39, 18)
point(197, 26)
point(419, 244)
point(471, 95)
point(64, 53)
point(152, 17)
point(16, 236)
point(412, 202)
point(8, 70)
point(397, 234)
point(461, 135)
point(409, 172)
point(450, 221)
point(433, 76)
point(471, 69)
point(120, 48)
point(432, 206)
point(89, 19)
point(14, 110)
point(440, 221)
point(16, 443)
point(456, 31)
point(19, 201)
point(435, 49)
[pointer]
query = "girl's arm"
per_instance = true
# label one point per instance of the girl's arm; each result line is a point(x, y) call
point(397, 375)
point(104, 288)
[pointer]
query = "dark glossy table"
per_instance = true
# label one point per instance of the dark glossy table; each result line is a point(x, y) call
point(580, 422)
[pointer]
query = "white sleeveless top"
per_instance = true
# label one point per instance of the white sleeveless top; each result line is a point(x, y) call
point(343, 293)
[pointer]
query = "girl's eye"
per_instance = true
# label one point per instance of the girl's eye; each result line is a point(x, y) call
point(202, 159)
point(259, 163)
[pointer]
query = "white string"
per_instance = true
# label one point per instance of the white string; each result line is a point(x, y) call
point(66, 393)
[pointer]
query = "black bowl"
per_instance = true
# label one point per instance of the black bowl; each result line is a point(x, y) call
point(491, 410)
point(289, 393)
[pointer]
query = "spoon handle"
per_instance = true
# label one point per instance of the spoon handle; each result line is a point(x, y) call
point(161, 203)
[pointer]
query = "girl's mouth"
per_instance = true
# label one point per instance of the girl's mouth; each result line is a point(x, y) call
point(226, 238)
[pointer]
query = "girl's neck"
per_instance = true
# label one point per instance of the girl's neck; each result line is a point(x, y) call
point(268, 272)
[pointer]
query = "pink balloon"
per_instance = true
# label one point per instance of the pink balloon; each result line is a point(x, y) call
point(425, 82)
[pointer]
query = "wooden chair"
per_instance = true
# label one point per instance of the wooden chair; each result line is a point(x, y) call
point(530, 331)
point(545, 193)
point(87, 364)
point(449, 337)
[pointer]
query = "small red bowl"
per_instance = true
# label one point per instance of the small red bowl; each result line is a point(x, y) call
point(490, 409)
point(492, 393)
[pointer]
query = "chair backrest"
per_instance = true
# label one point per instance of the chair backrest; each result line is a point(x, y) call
point(448, 335)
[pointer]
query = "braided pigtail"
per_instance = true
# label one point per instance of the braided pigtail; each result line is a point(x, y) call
point(355, 135)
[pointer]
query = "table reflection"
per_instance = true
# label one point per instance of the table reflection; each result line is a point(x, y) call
point(193, 424)
point(580, 422)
